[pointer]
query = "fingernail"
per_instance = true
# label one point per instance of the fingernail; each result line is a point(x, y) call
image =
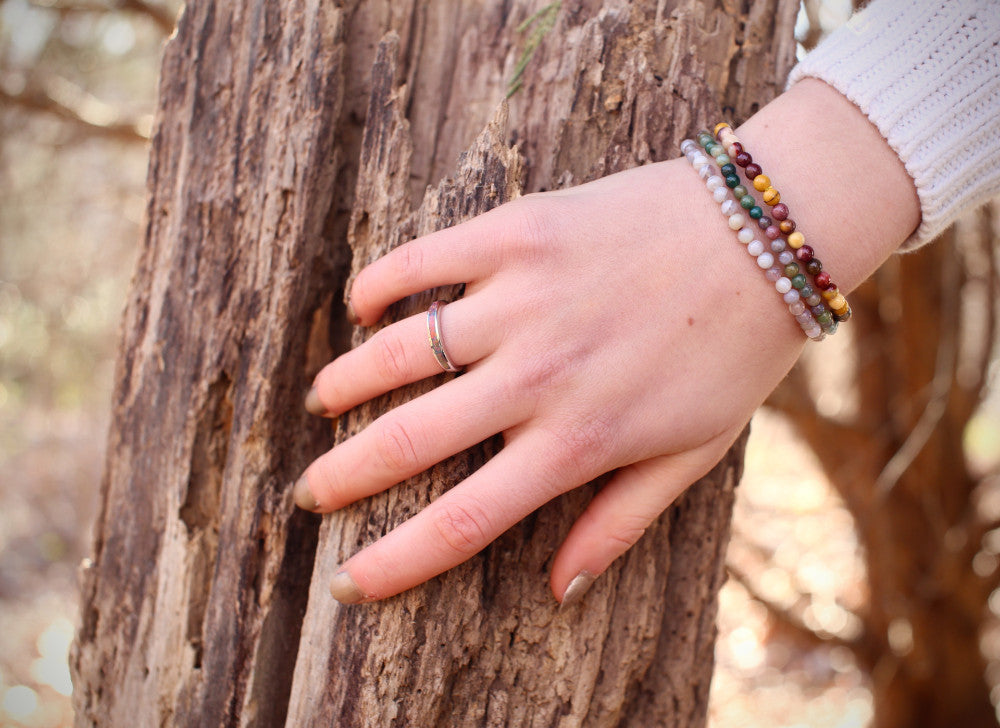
point(577, 588)
point(345, 590)
point(303, 497)
point(314, 405)
point(352, 315)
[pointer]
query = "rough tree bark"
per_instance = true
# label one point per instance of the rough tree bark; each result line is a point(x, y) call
point(290, 142)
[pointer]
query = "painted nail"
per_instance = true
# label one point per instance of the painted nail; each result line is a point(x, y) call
point(314, 405)
point(577, 588)
point(303, 497)
point(345, 590)
point(352, 315)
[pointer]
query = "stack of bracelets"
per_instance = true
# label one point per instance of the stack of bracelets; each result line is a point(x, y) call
point(785, 258)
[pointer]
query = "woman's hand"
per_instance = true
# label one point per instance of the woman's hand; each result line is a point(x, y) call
point(614, 326)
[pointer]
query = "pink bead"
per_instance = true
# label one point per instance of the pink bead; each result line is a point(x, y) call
point(779, 211)
point(772, 232)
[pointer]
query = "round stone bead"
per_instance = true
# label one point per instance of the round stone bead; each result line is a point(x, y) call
point(720, 126)
point(761, 182)
point(804, 254)
point(814, 266)
point(832, 328)
point(771, 196)
point(763, 222)
point(714, 181)
point(796, 240)
point(777, 246)
point(745, 235)
point(753, 170)
point(746, 202)
point(842, 317)
point(814, 300)
point(791, 269)
point(773, 273)
point(786, 226)
point(783, 284)
point(720, 194)
point(780, 211)
point(742, 159)
point(765, 260)
point(838, 302)
point(705, 171)
point(805, 318)
point(756, 212)
point(824, 318)
point(830, 292)
point(814, 332)
point(739, 148)
point(797, 308)
point(740, 191)
point(715, 149)
point(807, 291)
point(732, 149)
point(687, 145)
point(822, 279)
point(786, 257)
point(728, 169)
point(722, 158)
point(799, 282)
point(816, 308)
point(772, 232)
point(730, 207)
point(736, 221)
point(755, 248)
point(732, 180)
point(791, 297)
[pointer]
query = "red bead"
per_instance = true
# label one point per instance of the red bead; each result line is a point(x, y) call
point(754, 170)
point(743, 159)
point(804, 254)
point(739, 148)
point(822, 279)
point(779, 211)
point(772, 232)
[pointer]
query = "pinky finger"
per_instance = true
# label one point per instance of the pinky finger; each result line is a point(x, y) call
point(619, 514)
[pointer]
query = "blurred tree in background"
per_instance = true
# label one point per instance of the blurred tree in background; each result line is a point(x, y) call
point(901, 431)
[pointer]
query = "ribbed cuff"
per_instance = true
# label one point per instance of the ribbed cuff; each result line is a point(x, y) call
point(927, 74)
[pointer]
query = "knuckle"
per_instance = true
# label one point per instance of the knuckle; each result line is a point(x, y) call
point(584, 444)
point(407, 263)
point(626, 531)
point(462, 526)
point(391, 361)
point(328, 483)
point(395, 447)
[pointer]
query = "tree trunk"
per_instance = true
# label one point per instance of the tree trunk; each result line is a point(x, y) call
point(290, 141)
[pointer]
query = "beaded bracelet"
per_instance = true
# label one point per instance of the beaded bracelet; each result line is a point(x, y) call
point(733, 211)
point(840, 310)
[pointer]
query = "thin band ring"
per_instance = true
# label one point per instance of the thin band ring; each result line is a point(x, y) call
point(435, 338)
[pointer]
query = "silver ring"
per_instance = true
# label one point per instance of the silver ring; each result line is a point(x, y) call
point(435, 338)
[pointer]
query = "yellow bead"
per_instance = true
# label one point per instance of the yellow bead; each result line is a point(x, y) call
point(772, 196)
point(720, 125)
point(830, 294)
point(796, 239)
point(761, 182)
point(838, 302)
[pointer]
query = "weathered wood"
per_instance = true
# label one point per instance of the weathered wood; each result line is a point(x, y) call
point(279, 138)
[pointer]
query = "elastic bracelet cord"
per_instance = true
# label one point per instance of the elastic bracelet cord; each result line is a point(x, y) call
point(765, 254)
point(824, 287)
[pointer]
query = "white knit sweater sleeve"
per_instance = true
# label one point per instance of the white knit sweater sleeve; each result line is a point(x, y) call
point(927, 74)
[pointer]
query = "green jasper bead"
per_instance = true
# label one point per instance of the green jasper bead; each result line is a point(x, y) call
point(722, 159)
point(798, 281)
point(728, 169)
point(732, 180)
point(746, 201)
point(825, 319)
point(740, 191)
point(792, 269)
point(715, 149)
point(756, 213)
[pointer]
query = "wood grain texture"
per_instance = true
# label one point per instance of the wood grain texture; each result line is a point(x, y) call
point(295, 141)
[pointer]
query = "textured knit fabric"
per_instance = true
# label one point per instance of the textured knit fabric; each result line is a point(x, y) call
point(927, 74)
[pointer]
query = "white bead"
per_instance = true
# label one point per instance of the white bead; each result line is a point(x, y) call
point(719, 194)
point(786, 257)
point(714, 182)
point(765, 260)
point(745, 235)
point(730, 207)
point(698, 159)
point(705, 171)
point(736, 221)
point(783, 285)
point(688, 145)
point(791, 297)
point(755, 248)
point(731, 150)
